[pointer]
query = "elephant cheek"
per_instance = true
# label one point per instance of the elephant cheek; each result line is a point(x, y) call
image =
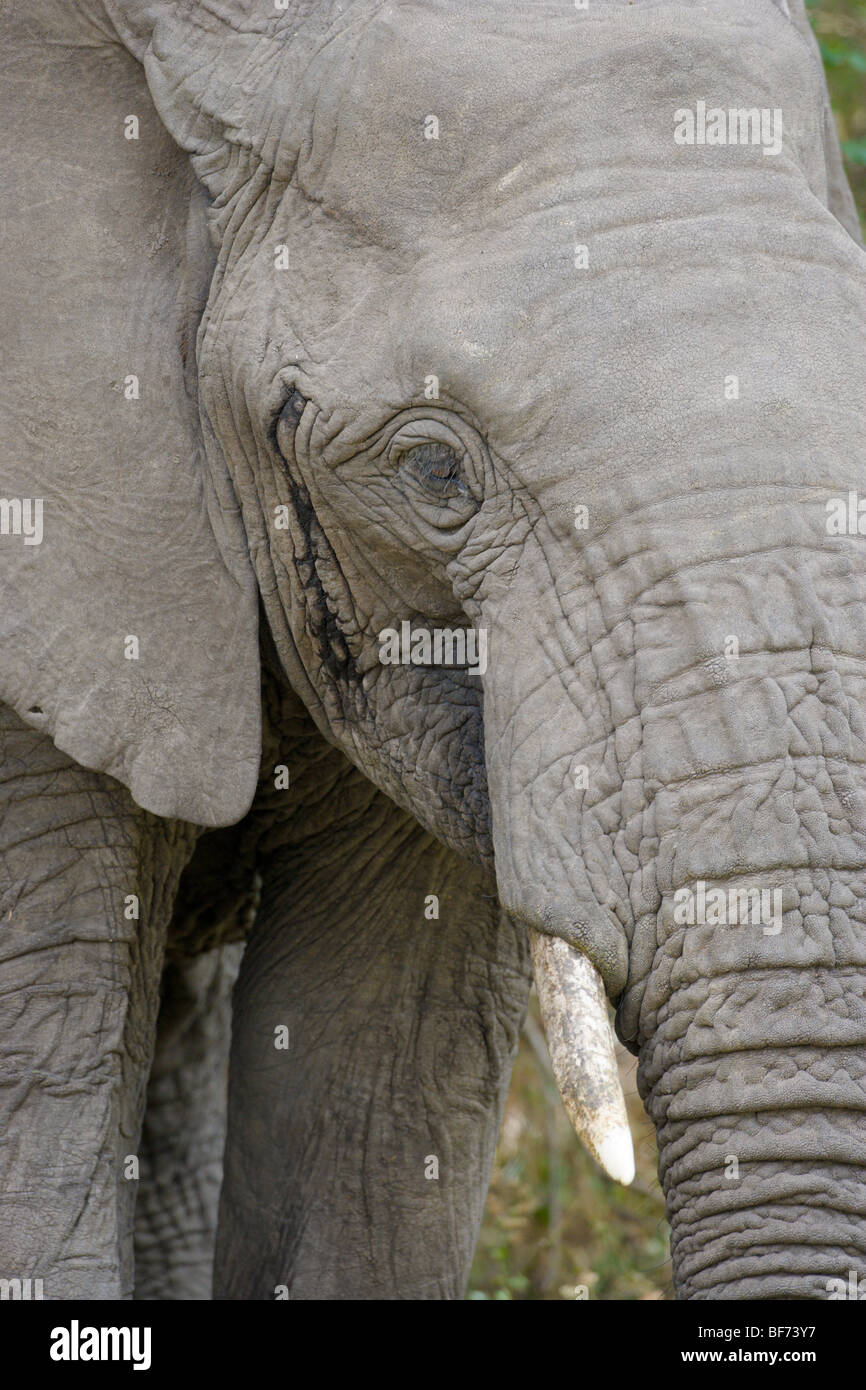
point(578, 942)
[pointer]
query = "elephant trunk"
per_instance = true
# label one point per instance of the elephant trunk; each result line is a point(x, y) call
point(681, 801)
point(747, 985)
point(756, 1081)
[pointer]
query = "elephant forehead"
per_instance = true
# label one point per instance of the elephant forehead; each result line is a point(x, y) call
point(536, 347)
point(427, 118)
point(555, 130)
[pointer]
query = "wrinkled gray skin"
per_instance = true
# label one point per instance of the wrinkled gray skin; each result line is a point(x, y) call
point(303, 388)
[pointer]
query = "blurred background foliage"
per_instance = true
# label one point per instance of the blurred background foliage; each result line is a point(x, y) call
point(840, 27)
point(554, 1227)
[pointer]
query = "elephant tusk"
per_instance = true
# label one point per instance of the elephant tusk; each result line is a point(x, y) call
point(580, 1042)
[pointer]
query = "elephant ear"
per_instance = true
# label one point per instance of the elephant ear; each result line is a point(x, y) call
point(128, 627)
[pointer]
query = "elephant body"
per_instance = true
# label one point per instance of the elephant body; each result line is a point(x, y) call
point(356, 318)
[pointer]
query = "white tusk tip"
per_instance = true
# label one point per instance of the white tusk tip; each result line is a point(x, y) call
point(616, 1155)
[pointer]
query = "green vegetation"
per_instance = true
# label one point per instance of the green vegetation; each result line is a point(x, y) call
point(553, 1224)
point(840, 26)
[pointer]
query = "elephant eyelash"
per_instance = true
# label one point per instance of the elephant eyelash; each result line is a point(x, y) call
point(288, 418)
point(437, 467)
point(291, 412)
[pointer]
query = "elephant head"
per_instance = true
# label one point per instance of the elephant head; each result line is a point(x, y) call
point(486, 339)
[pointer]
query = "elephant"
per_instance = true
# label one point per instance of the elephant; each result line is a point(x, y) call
point(432, 557)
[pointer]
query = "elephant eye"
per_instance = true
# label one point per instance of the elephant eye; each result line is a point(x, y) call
point(437, 467)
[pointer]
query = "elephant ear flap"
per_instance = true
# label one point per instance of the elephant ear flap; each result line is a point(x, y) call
point(128, 626)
